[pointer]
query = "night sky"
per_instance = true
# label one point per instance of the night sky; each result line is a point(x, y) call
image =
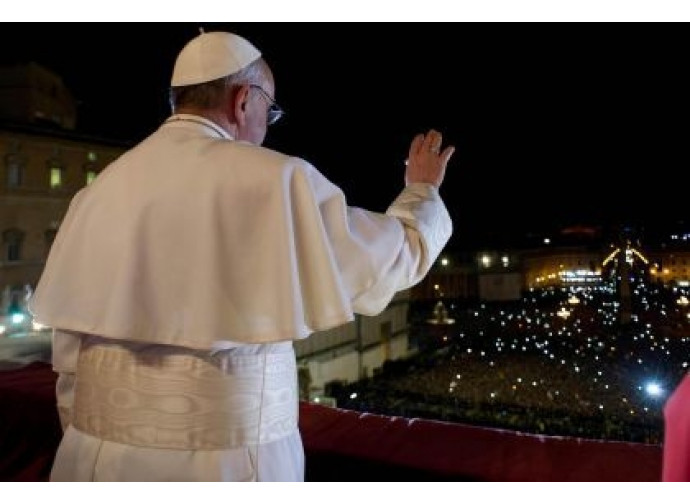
point(554, 124)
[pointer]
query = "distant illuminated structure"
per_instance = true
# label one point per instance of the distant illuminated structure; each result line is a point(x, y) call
point(624, 258)
point(570, 261)
point(630, 254)
point(579, 277)
point(450, 278)
point(440, 315)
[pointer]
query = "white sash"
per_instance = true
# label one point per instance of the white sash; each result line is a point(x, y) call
point(189, 401)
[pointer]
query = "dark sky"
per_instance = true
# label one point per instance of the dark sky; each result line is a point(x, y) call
point(554, 123)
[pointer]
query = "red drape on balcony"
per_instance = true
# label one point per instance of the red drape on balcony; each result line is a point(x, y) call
point(448, 451)
point(29, 424)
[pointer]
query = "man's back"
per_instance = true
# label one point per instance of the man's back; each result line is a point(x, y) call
point(190, 239)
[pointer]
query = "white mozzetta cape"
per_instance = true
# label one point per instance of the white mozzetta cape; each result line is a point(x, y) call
point(191, 239)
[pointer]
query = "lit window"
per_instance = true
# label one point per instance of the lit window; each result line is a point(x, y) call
point(55, 177)
point(90, 169)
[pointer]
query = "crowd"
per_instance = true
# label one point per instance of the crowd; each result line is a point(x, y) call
point(559, 362)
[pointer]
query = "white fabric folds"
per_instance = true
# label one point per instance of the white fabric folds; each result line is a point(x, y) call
point(190, 239)
point(164, 397)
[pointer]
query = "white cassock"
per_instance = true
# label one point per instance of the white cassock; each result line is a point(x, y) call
point(175, 286)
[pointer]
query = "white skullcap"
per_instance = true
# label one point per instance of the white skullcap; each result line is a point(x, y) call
point(211, 56)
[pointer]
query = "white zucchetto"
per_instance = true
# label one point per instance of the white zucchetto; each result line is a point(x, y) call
point(211, 56)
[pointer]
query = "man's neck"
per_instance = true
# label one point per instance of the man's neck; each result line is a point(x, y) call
point(212, 115)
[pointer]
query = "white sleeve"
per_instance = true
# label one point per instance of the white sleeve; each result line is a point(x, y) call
point(65, 356)
point(380, 254)
point(426, 228)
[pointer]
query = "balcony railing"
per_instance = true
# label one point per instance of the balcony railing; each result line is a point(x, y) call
point(343, 445)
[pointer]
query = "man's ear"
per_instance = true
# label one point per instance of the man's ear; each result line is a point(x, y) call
point(238, 104)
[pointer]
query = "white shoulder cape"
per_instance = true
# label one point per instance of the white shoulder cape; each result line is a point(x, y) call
point(191, 240)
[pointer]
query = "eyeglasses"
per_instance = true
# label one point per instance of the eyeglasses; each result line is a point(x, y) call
point(274, 111)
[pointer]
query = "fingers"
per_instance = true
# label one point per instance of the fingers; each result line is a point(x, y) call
point(435, 141)
point(416, 145)
point(446, 154)
point(432, 141)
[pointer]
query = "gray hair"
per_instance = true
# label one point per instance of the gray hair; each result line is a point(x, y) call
point(209, 95)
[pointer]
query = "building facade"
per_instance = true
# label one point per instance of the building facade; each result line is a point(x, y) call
point(451, 277)
point(503, 275)
point(670, 267)
point(43, 164)
point(556, 266)
point(355, 350)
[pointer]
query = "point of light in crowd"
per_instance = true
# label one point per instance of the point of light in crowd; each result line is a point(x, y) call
point(353, 395)
point(547, 241)
point(17, 318)
point(2, 329)
point(653, 389)
point(37, 326)
point(444, 261)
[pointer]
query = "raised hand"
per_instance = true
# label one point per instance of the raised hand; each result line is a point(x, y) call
point(426, 162)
